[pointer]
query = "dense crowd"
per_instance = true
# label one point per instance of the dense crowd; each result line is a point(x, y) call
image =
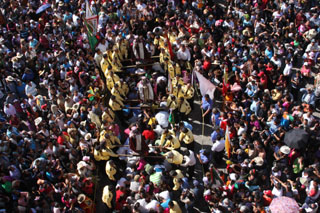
point(71, 105)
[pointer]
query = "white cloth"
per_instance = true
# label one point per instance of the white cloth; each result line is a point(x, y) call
point(31, 90)
point(206, 87)
point(218, 146)
point(189, 160)
point(184, 55)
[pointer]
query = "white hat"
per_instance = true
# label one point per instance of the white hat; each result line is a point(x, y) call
point(207, 192)
point(87, 136)
point(10, 78)
point(81, 198)
point(305, 63)
point(233, 176)
point(285, 150)
point(76, 106)
point(259, 161)
point(38, 120)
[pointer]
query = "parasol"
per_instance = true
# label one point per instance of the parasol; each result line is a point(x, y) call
point(284, 205)
point(43, 8)
point(296, 138)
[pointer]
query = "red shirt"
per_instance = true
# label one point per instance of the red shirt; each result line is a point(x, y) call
point(149, 134)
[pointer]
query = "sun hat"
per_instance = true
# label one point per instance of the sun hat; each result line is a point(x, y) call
point(285, 150)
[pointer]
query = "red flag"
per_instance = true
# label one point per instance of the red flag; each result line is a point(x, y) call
point(170, 47)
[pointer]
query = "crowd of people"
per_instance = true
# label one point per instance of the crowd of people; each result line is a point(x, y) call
point(71, 106)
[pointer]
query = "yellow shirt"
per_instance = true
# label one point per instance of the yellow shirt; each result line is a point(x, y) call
point(116, 105)
point(117, 92)
point(172, 144)
point(188, 92)
point(104, 64)
point(164, 135)
point(171, 104)
point(103, 154)
point(176, 159)
point(176, 208)
point(173, 70)
point(111, 81)
point(107, 196)
point(177, 92)
point(175, 82)
point(187, 138)
point(110, 171)
point(184, 107)
point(108, 115)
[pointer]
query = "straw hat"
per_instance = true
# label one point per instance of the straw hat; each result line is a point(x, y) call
point(259, 161)
point(10, 78)
point(87, 136)
point(285, 150)
point(76, 106)
point(38, 120)
point(81, 198)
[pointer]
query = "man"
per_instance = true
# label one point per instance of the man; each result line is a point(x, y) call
point(218, 148)
point(173, 157)
point(206, 106)
point(111, 170)
point(116, 105)
point(183, 109)
point(173, 69)
point(117, 91)
point(107, 196)
point(172, 143)
point(137, 143)
point(178, 91)
point(145, 90)
point(111, 79)
point(188, 92)
point(189, 161)
point(187, 138)
point(174, 207)
point(100, 153)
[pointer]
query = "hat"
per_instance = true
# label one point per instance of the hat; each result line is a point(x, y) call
point(86, 158)
point(259, 161)
point(87, 136)
point(61, 3)
point(19, 55)
point(41, 72)
point(195, 183)
point(81, 197)
point(267, 192)
point(207, 192)
point(285, 150)
point(76, 106)
point(233, 176)
point(10, 78)
point(303, 181)
point(38, 120)
point(136, 178)
point(47, 24)
point(83, 123)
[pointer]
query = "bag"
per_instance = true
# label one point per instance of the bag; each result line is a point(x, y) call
point(171, 118)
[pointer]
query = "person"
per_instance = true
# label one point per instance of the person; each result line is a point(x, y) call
point(174, 207)
point(206, 106)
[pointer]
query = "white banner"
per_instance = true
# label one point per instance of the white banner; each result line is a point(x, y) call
point(91, 18)
point(206, 87)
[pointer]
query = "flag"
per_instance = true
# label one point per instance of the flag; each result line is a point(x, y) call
point(206, 87)
point(225, 84)
point(215, 177)
point(227, 142)
point(169, 47)
point(91, 18)
point(91, 37)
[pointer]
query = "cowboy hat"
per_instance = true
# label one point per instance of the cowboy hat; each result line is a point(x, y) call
point(10, 78)
point(81, 198)
point(285, 150)
point(259, 161)
point(87, 136)
point(19, 55)
point(38, 120)
point(76, 106)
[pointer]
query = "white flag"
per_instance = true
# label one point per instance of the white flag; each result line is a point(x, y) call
point(206, 87)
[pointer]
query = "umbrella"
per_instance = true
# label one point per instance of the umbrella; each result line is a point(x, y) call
point(296, 138)
point(284, 205)
point(43, 8)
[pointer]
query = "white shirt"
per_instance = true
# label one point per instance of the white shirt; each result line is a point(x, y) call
point(31, 90)
point(218, 146)
point(103, 47)
point(184, 55)
point(287, 69)
point(10, 110)
point(189, 160)
point(277, 192)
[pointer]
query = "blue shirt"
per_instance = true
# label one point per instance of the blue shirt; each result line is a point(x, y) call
point(203, 157)
point(206, 104)
point(214, 135)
